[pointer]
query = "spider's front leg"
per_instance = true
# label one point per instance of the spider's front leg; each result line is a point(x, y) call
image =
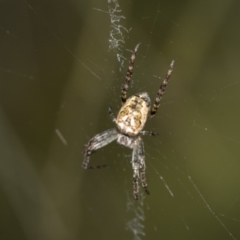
point(128, 75)
point(98, 141)
point(161, 91)
point(138, 165)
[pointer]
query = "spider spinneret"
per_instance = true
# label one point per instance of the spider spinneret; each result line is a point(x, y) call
point(130, 121)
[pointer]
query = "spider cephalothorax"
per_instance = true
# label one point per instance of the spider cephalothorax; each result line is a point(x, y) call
point(130, 122)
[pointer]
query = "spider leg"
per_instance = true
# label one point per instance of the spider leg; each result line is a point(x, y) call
point(111, 114)
point(135, 166)
point(141, 154)
point(138, 165)
point(149, 133)
point(135, 184)
point(161, 91)
point(128, 75)
point(98, 141)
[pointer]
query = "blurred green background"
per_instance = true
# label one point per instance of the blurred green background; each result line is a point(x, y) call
point(58, 76)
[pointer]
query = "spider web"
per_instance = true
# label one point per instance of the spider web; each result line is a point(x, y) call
point(63, 64)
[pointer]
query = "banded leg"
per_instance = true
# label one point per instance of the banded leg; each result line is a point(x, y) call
point(125, 86)
point(138, 164)
point(135, 184)
point(149, 133)
point(98, 141)
point(111, 114)
point(161, 91)
point(142, 167)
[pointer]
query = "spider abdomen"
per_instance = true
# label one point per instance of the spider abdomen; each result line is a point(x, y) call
point(133, 114)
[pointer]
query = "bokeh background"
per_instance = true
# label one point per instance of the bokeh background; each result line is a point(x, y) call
point(59, 73)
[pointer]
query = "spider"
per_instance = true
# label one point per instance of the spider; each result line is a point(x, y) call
point(130, 122)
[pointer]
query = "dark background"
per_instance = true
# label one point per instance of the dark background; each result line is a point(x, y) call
point(58, 75)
